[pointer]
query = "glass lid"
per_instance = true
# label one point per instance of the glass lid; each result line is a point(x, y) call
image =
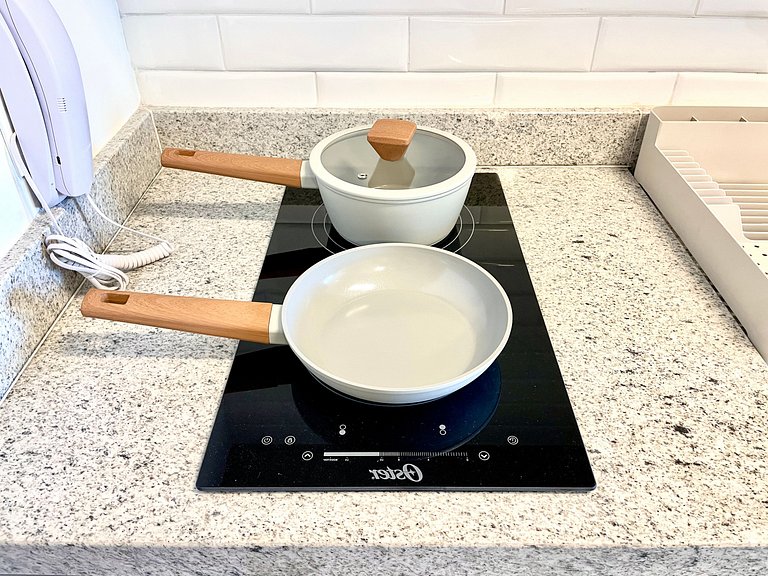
point(431, 158)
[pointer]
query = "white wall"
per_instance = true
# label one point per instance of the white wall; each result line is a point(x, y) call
point(459, 53)
point(111, 96)
point(111, 92)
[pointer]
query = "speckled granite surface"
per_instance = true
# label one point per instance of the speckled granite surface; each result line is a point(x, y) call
point(498, 137)
point(101, 439)
point(32, 290)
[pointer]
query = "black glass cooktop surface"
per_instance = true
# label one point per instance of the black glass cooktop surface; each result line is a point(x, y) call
point(278, 428)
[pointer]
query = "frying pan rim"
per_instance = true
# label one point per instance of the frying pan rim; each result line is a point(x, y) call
point(449, 384)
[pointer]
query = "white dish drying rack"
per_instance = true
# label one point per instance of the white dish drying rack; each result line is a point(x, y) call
point(706, 169)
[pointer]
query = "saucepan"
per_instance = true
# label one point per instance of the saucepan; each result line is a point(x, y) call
point(390, 182)
point(388, 323)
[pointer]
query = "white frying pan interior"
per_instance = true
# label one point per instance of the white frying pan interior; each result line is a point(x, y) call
point(396, 323)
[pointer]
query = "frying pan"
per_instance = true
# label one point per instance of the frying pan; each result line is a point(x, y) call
point(388, 323)
point(416, 198)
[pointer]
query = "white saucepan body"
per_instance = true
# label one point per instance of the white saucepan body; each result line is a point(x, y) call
point(396, 323)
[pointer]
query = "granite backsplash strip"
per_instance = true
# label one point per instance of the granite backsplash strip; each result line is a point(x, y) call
point(499, 137)
point(32, 289)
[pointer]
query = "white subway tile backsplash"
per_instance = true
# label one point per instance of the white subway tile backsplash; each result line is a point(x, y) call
point(720, 89)
point(407, 7)
point(181, 42)
point(314, 42)
point(212, 6)
point(449, 53)
point(601, 7)
point(227, 89)
point(685, 44)
point(454, 44)
point(584, 89)
point(733, 8)
point(405, 89)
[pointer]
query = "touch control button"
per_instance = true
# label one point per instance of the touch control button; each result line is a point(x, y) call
point(307, 456)
point(512, 440)
point(483, 455)
point(266, 440)
point(289, 440)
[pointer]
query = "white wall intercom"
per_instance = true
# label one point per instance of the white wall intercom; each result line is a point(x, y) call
point(43, 93)
point(50, 143)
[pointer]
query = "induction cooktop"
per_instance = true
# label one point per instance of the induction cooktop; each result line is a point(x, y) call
point(512, 429)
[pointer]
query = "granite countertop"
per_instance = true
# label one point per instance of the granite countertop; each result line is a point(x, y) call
point(103, 434)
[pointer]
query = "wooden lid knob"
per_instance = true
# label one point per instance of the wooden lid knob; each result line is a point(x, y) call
point(391, 138)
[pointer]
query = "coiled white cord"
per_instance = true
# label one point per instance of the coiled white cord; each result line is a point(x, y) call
point(105, 271)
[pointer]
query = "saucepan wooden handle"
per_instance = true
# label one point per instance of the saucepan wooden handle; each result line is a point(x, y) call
point(391, 138)
point(283, 171)
point(228, 318)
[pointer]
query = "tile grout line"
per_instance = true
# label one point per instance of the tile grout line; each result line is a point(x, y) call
point(221, 43)
point(408, 45)
point(674, 89)
point(594, 48)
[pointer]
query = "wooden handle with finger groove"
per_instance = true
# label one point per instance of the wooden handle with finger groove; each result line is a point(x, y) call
point(285, 171)
point(228, 318)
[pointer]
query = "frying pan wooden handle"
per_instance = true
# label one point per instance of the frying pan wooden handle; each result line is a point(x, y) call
point(283, 171)
point(391, 138)
point(228, 318)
